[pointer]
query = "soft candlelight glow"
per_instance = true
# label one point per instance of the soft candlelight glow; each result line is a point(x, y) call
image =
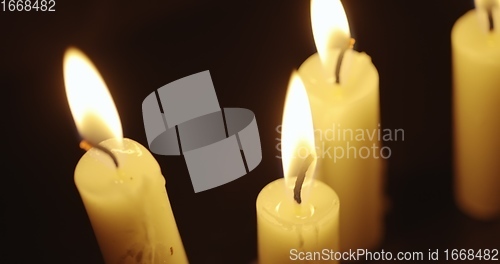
point(297, 138)
point(329, 26)
point(89, 99)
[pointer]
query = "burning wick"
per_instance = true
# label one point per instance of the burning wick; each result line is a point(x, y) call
point(85, 145)
point(491, 20)
point(340, 59)
point(301, 177)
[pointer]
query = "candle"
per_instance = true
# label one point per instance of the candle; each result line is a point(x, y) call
point(119, 181)
point(476, 82)
point(297, 216)
point(343, 88)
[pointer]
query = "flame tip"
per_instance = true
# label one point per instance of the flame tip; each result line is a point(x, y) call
point(72, 51)
point(297, 133)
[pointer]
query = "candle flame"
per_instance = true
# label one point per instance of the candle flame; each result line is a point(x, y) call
point(89, 99)
point(297, 137)
point(329, 26)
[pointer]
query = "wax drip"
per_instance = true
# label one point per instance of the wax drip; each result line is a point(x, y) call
point(301, 238)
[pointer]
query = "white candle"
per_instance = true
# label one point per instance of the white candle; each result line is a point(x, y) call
point(127, 204)
point(343, 103)
point(288, 231)
point(476, 79)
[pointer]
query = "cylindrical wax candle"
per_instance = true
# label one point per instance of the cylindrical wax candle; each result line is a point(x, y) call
point(288, 232)
point(352, 166)
point(476, 95)
point(343, 88)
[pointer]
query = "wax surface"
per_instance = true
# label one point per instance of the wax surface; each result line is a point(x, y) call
point(339, 110)
point(283, 225)
point(476, 80)
point(128, 207)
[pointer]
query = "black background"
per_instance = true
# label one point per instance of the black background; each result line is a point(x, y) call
point(250, 48)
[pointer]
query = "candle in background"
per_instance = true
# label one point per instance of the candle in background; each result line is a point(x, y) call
point(119, 181)
point(476, 82)
point(296, 214)
point(343, 87)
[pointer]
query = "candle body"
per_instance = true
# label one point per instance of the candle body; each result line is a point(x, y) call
point(284, 228)
point(476, 81)
point(346, 122)
point(128, 206)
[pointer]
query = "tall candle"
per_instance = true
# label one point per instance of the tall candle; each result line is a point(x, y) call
point(476, 81)
point(343, 86)
point(119, 181)
point(297, 223)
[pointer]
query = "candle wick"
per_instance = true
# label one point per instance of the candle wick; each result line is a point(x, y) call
point(300, 178)
point(87, 145)
point(491, 21)
point(340, 59)
point(339, 65)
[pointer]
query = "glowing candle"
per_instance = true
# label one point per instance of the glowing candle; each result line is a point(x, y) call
point(296, 214)
point(476, 79)
point(119, 181)
point(343, 87)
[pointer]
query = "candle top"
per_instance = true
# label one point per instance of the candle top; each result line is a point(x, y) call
point(361, 81)
point(100, 177)
point(276, 205)
point(470, 39)
point(488, 14)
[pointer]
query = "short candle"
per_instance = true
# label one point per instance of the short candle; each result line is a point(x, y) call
point(292, 219)
point(475, 39)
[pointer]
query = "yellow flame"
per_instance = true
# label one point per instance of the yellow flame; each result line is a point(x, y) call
point(329, 26)
point(89, 99)
point(297, 135)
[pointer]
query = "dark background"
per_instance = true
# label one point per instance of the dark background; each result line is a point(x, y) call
point(250, 48)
